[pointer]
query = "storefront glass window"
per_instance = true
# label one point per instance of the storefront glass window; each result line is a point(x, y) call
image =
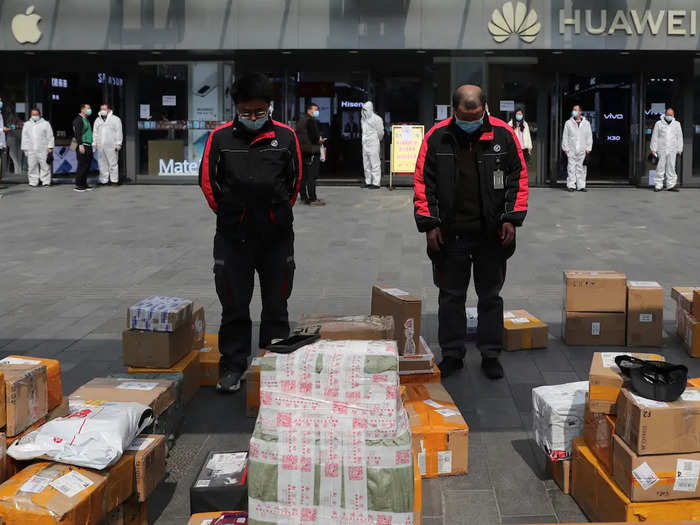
point(14, 113)
point(696, 124)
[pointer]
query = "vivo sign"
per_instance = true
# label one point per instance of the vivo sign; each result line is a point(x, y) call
point(672, 22)
point(171, 167)
point(613, 116)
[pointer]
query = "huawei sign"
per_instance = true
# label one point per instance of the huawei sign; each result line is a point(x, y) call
point(514, 19)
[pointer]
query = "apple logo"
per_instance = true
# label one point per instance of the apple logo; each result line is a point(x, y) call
point(25, 28)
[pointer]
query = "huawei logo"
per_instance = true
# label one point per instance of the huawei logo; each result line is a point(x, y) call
point(514, 19)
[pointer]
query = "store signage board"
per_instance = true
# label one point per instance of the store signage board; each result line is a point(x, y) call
point(405, 145)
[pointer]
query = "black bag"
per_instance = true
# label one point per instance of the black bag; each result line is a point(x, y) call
point(587, 159)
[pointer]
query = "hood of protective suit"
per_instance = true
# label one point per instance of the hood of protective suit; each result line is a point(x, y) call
point(367, 110)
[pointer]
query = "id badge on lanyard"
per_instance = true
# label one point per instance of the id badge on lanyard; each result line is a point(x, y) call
point(498, 179)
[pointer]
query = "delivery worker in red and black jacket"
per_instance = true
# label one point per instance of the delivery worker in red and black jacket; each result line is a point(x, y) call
point(471, 192)
point(250, 175)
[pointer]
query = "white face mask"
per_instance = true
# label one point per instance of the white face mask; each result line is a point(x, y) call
point(35, 118)
point(103, 113)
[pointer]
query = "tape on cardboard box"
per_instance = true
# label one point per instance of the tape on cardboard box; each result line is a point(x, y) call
point(598, 432)
point(26, 395)
point(159, 314)
point(53, 375)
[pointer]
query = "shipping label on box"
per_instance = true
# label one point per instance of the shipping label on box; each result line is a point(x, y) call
point(645, 313)
point(594, 329)
point(159, 314)
point(523, 331)
point(26, 392)
point(594, 291)
point(405, 309)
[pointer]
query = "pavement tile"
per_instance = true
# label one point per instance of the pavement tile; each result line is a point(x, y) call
point(470, 507)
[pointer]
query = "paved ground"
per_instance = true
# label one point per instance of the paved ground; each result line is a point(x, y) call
point(70, 264)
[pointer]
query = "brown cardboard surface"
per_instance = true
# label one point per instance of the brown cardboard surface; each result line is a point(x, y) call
point(696, 303)
point(209, 360)
point(406, 312)
point(654, 478)
point(159, 397)
point(411, 379)
point(60, 411)
point(594, 291)
point(650, 427)
point(594, 328)
point(440, 440)
point(252, 389)
point(420, 363)
point(683, 295)
point(149, 463)
point(199, 326)
point(523, 331)
point(348, 327)
point(53, 375)
point(156, 349)
point(598, 433)
point(3, 456)
point(689, 332)
point(417, 492)
point(120, 483)
point(561, 473)
point(3, 404)
point(188, 366)
point(605, 383)
point(26, 395)
point(645, 314)
point(135, 512)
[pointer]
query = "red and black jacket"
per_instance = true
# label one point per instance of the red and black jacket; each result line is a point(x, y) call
point(435, 178)
point(251, 181)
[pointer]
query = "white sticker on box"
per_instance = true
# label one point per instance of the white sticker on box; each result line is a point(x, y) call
point(521, 320)
point(595, 328)
point(690, 395)
point(609, 360)
point(396, 292)
point(71, 484)
point(687, 473)
point(645, 476)
point(19, 361)
point(202, 483)
point(432, 403)
point(447, 412)
point(35, 484)
point(140, 443)
point(205, 349)
point(646, 318)
point(421, 463)
point(227, 463)
point(508, 315)
point(137, 385)
point(645, 284)
point(255, 361)
point(650, 403)
point(444, 461)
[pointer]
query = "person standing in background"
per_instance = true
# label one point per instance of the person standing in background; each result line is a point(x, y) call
point(3, 144)
point(522, 132)
point(372, 136)
point(310, 140)
point(82, 131)
point(107, 140)
point(577, 142)
point(37, 144)
point(667, 145)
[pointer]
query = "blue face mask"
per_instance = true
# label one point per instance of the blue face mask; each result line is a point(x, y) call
point(252, 125)
point(316, 114)
point(88, 112)
point(469, 126)
point(669, 118)
point(574, 113)
point(519, 116)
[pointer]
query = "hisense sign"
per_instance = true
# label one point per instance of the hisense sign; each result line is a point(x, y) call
point(671, 22)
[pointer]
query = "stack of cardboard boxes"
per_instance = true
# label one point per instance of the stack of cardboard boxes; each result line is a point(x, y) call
point(687, 314)
point(639, 459)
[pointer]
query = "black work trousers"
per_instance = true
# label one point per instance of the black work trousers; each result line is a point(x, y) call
point(84, 161)
point(452, 268)
point(235, 263)
point(312, 165)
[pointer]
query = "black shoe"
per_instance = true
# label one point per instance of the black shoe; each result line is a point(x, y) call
point(571, 190)
point(364, 186)
point(674, 189)
point(373, 187)
point(449, 365)
point(657, 190)
point(80, 189)
point(229, 382)
point(583, 190)
point(492, 367)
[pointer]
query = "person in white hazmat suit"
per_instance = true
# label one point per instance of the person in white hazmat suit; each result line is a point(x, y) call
point(372, 135)
point(576, 142)
point(107, 140)
point(666, 145)
point(37, 143)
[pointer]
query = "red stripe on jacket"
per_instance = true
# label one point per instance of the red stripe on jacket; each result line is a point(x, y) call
point(523, 186)
point(420, 200)
point(295, 192)
point(207, 188)
point(262, 136)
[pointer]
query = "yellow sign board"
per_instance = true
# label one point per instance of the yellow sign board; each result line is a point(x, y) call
point(406, 141)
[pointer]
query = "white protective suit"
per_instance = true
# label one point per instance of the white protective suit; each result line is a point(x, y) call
point(3, 143)
point(576, 140)
point(107, 140)
point(372, 135)
point(37, 140)
point(667, 142)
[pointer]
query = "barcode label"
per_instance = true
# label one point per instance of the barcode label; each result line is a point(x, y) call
point(35, 484)
point(645, 476)
point(646, 318)
point(421, 463)
point(71, 484)
point(687, 473)
point(595, 328)
point(444, 462)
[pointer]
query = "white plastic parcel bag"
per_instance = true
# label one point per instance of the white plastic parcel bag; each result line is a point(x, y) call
point(93, 434)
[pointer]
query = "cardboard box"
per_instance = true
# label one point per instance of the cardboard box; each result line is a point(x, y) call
point(560, 470)
point(3, 403)
point(157, 394)
point(419, 379)
point(594, 291)
point(159, 314)
point(26, 395)
point(653, 427)
point(188, 367)
point(660, 477)
point(689, 329)
point(148, 451)
point(694, 381)
point(53, 375)
point(417, 492)
point(645, 313)
point(199, 327)
point(598, 431)
point(52, 493)
point(348, 327)
point(206, 518)
point(680, 322)
point(156, 349)
point(252, 388)
point(440, 436)
point(3, 455)
point(59, 411)
point(558, 413)
point(421, 362)
point(221, 482)
point(594, 328)
point(209, 357)
point(606, 380)
point(683, 295)
point(406, 312)
point(602, 500)
point(131, 512)
point(696, 303)
point(523, 331)
point(120, 483)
